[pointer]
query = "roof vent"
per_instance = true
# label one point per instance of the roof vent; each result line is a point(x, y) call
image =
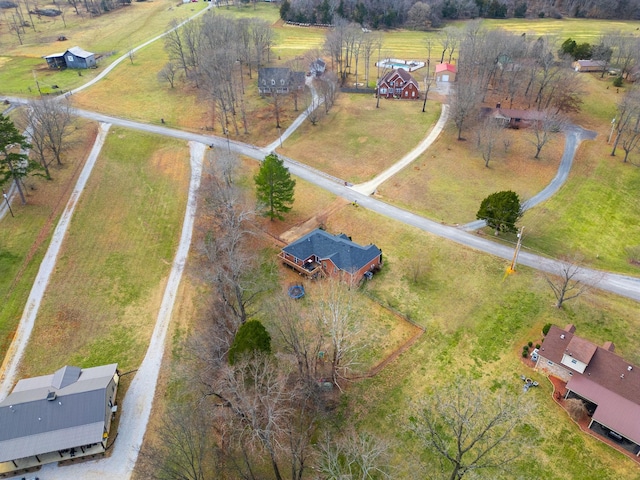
point(51, 396)
point(562, 336)
point(622, 376)
point(629, 368)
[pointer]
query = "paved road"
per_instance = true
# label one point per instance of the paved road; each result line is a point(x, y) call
point(620, 284)
point(574, 135)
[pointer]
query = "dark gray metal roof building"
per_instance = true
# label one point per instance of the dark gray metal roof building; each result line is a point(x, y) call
point(66, 410)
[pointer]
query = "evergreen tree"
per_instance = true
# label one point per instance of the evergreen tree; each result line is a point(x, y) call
point(14, 165)
point(501, 211)
point(252, 337)
point(274, 187)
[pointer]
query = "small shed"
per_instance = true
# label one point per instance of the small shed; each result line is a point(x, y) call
point(56, 61)
point(445, 72)
point(78, 58)
point(317, 67)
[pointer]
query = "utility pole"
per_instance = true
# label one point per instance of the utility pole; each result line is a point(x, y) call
point(512, 268)
point(613, 124)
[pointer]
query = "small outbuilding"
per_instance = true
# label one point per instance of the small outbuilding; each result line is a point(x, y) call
point(317, 67)
point(445, 72)
point(75, 57)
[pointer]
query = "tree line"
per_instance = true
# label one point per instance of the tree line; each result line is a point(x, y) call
point(427, 14)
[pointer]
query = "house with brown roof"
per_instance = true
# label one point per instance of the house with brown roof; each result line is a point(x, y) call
point(398, 83)
point(513, 118)
point(589, 65)
point(606, 382)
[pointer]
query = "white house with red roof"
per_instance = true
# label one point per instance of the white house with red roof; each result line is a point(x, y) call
point(609, 385)
point(398, 83)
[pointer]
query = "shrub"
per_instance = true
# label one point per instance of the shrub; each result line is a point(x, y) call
point(537, 345)
point(251, 337)
point(617, 82)
point(530, 344)
point(576, 408)
point(525, 348)
point(545, 329)
point(525, 354)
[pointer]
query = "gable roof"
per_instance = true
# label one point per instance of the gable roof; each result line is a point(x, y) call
point(400, 72)
point(78, 52)
point(446, 67)
point(274, 73)
point(608, 380)
point(40, 417)
point(344, 253)
point(592, 63)
point(581, 349)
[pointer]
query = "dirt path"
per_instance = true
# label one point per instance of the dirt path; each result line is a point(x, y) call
point(13, 355)
point(312, 223)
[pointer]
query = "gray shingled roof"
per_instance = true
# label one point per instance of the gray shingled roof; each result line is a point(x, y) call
point(344, 253)
point(274, 73)
point(30, 424)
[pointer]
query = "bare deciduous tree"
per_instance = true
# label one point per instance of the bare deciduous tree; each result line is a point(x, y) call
point(576, 408)
point(567, 283)
point(541, 130)
point(49, 121)
point(353, 455)
point(168, 73)
point(488, 134)
point(184, 447)
point(468, 428)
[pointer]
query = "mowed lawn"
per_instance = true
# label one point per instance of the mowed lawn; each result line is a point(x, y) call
point(109, 35)
point(25, 237)
point(596, 214)
point(476, 323)
point(356, 141)
point(102, 301)
point(448, 182)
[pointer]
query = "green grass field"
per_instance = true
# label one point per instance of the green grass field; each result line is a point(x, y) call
point(102, 300)
point(109, 35)
point(25, 237)
point(476, 322)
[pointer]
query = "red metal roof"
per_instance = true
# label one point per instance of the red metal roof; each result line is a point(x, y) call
point(446, 67)
point(615, 412)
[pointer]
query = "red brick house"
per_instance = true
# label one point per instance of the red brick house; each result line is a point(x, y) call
point(606, 382)
point(398, 83)
point(321, 254)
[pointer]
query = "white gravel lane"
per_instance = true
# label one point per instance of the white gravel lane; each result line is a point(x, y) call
point(16, 349)
point(136, 407)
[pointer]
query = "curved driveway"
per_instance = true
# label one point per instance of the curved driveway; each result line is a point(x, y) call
point(620, 284)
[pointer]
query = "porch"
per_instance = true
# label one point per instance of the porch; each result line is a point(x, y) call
point(310, 268)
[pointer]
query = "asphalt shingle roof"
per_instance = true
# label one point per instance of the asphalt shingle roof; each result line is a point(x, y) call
point(345, 254)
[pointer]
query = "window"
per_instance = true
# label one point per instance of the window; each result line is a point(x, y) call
point(383, 91)
point(273, 82)
point(391, 84)
point(69, 58)
point(406, 93)
point(549, 362)
point(574, 361)
point(413, 94)
point(281, 82)
point(264, 82)
point(398, 91)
